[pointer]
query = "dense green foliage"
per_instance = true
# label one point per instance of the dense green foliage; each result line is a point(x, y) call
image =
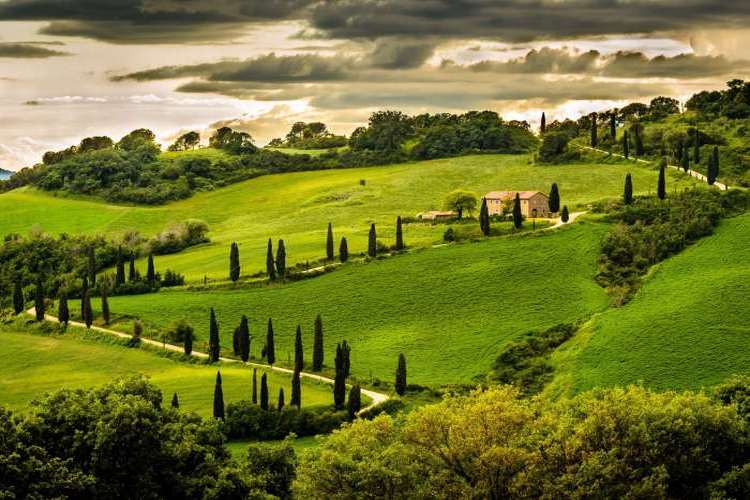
point(247, 420)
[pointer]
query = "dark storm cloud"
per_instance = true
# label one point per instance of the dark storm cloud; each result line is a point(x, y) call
point(522, 20)
point(27, 51)
point(150, 21)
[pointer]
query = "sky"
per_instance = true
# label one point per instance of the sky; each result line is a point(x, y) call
point(76, 68)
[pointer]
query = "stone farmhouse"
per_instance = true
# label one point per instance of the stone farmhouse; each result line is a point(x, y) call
point(530, 201)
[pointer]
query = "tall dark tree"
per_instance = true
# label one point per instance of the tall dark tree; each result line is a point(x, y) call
point(517, 215)
point(625, 144)
point(343, 250)
point(638, 139)
point(88, 313)
point(543, 124)
point(661, 188)
point(399, 234)
point(299, 353)
point(91, 265)
point(346, 352)
point(214, 348)
point(175, 401)
point(234, 262)
point(554, 199)
point(270, 267)
point(329, 243)
point(132, 273)
point(84, 289)
point(372, 242)
point(594, 132)
point(317, 362)
point(685, 160)
point(244, 339)
point(613, 125)
point(696, 148)
point(151, 270)
point(713, 166)
point(281, 259)
point(627, 195)
point(270, 346)
point(187, 342)
point(63, 313)
point(120, 267)
point(19, 302)
point(280, 404)
point(484, 218)
point(355, 401)
point(264, 392)
point(565, 215)
point(339, 381)
point(401, 375)
point(296, 390)
point(105, 303)
point(218, 398)
point(255, 386)
point(236, 341)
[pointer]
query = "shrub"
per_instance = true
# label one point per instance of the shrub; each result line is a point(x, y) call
point(172, 278)
point(245, 420)
point(178, 237)
point(177, 331)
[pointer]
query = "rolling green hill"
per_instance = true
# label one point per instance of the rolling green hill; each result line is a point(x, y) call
point(298, 206)
point(34, 364)
point(686, 328)
point(450, 309)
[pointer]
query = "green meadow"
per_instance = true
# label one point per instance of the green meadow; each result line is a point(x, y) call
point(35, 364)
point(297, 207)
point(686, 328)
point(451, 309)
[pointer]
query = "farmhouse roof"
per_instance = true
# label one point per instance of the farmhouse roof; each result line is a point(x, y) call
point(504, 195)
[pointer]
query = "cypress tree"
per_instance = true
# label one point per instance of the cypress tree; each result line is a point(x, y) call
point(638, 140)
point(92, 265)
point(187, 342)
point(264, 392)
point(236, 341)
point(661, 189)
point(625, 145)
point(713, 166)
point(685, 161)
point(517, 216)
point(613, 125)
point(296, 390)
point(270, 347)
point(132, 274)
point(401, 375)
point(105, 303)
point(696, 148)
point(175, 401)
point(554, 199)
point(120, 268)
point(214, 349)
point(484, 218)
point(281, 259)
point(317, 363)
point(281, 399)
point(299, 353)
point(329, 242)
point(63, 313)
point(270, 268)
point(565, 215)
point(88, 313)
point(372, 242)
point(150, 270)
point(543, 125)
point(218, 398)
point(18, 299)
point(594, 136)
point(255, 386)
point(244, 339)
point(355, 401)
point(343, 250)
point(137, 332)
point(234, 262)
point(627, 196)
point(399, 234)
point(346, 351)
point(339, 381)
point(84, 289)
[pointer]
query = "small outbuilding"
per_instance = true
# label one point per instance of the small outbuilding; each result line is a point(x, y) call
point(437, 215)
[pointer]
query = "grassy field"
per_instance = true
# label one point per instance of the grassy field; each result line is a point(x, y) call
point(298, 206)
point(34, 364)
point(451, 308)
point(686, 328)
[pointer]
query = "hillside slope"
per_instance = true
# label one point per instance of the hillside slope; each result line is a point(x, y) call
point(686, 328)
point(297, 207)
point(449, 309)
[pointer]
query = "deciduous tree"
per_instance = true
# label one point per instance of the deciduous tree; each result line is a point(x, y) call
point(460, 201)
